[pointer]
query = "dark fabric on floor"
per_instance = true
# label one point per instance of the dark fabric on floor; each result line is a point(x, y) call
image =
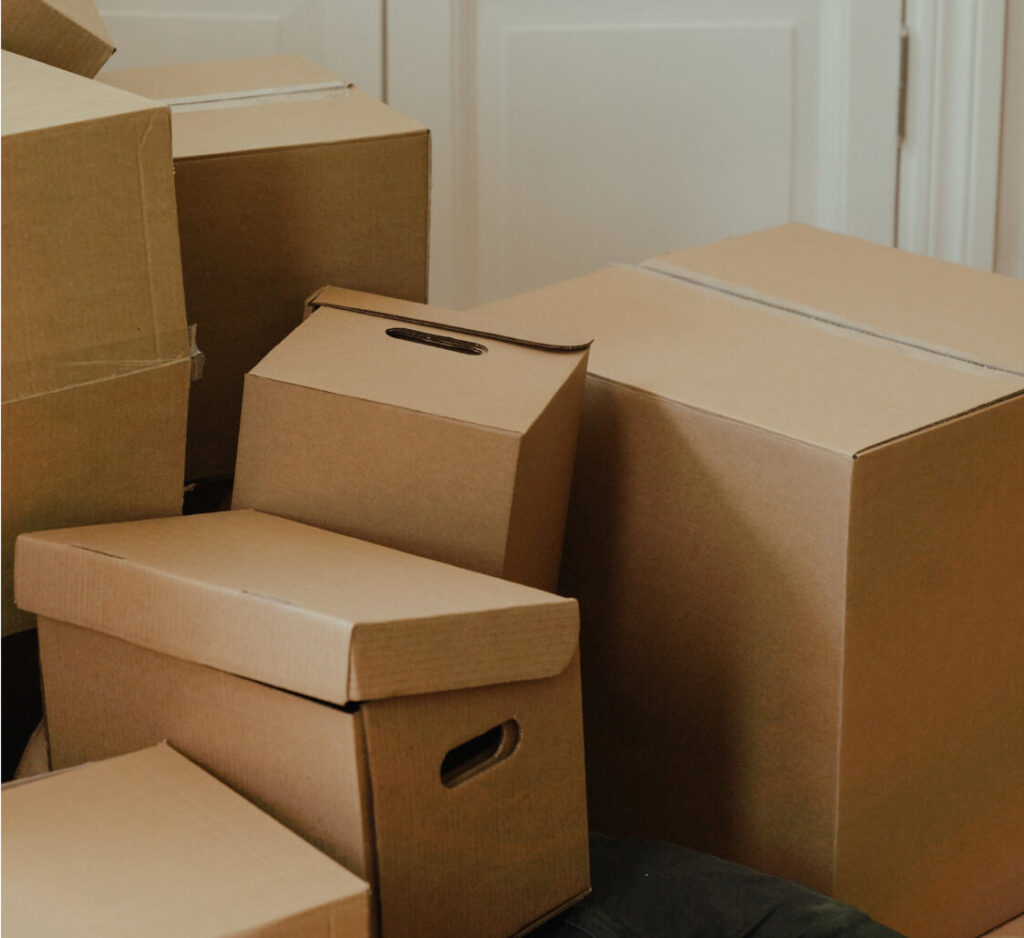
point(649, 889)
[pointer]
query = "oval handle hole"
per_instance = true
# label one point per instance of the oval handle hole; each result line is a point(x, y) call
point(481, 752)
point(438, 341)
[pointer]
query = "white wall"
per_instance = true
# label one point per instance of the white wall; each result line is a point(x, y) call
point(1010, 219)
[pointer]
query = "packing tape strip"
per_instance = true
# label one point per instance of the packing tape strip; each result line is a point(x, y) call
point(77, 367)
point(750, 295)
point(313, 91)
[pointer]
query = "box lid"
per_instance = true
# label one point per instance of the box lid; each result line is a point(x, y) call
point(68, 34)
point(307, 610)
point(371, 347)
point(830, 344)
point(241, 105)
point(150, 844)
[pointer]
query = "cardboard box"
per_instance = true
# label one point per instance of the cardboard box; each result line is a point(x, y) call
point(287, 178)
point(150, 844)
point(68, 34)
point(417, 722)
point(435, 432)
point(95, 341)
point(796, 536)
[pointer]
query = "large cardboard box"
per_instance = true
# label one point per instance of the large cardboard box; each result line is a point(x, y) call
point(435, 432)
point(418, 722)
point(797, 534)
point(287, 178)
point(95, 341)
point(150, 844)
point(68, 34)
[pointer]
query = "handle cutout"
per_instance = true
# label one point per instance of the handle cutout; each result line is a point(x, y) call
point(438, 341)
point(481, 752)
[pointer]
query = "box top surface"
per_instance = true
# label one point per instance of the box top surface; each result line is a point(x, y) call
point(355, 354)
point(826, 339)
point(150, 844)
point(275, 102)
point(294, 606)
point(38, 96)
point(69, 34)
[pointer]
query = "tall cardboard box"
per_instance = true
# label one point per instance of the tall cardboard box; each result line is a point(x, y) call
point(417, 722)
point(150, 844)
point(797, 535)
point(287, 178)
point(95, 341)
point(434, 432)
point(68, 34)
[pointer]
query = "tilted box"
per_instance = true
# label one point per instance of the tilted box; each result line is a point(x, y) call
point(150, 844)
point(796, 535)
point(417, 722)
point(287, 177)
point(67, 34)
point(440, 433)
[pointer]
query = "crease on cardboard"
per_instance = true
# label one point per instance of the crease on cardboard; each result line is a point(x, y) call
point(740, 292)
point(314, 305)
point(313, 91)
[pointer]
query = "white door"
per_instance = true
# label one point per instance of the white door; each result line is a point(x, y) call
point(342, 35)
point(573, 133)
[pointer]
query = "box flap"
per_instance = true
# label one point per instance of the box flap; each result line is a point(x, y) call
point(150, 844)
point(831, 386)
point(458, 365)
point(241, 105)
point(293, 606)
point(68, 34)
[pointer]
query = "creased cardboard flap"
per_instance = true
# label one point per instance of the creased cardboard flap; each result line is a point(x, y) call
point(293, 606)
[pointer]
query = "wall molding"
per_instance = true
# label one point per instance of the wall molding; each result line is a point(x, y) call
point(949, 164)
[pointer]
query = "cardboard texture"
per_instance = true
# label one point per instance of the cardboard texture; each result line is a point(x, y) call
point(95, 342)
point(287, 178)
point(417, 722)
point(466, 458)
point(795, 533)
point(68, 34)
point(150, 844)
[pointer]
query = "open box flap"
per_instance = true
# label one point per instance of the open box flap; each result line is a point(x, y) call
point(310, 611)
point(68, 34)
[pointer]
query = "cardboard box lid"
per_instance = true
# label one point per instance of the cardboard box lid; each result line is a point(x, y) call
point(150, 844)
point(50, 346)
point(68, 34)
point(242, 105)
point(307, 610)
point(347, 346)
point(845, 381)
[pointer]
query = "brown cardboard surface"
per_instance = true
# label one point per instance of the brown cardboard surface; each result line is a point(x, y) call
point(795, 534)
point(148, 843)
point(66, 33)
point(304, 609)
point(95, 344)
point(448, 443)
point(278, 195)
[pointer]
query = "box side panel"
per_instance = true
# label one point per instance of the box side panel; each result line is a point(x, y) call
point(931, 817)
point(108, 451)
point(709, 560)
point(407, 480)
point(346, 918)
point(533, 551)
point(299, 760)
point(73, 38)
point(261, 231)
point(499, 849)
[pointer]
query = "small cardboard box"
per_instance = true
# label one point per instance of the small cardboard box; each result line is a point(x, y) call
point(150, 844)
point(68, 34)
point(796, 535)
point(435, 432)
point(417, 722)
point(287, 178)
point(95, 341)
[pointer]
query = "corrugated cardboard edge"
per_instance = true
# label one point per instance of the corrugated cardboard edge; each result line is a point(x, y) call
point(557, 910)
point(459, 323)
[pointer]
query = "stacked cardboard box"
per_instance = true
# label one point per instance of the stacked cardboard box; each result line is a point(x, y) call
point(149, 844)
point(796, 536)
